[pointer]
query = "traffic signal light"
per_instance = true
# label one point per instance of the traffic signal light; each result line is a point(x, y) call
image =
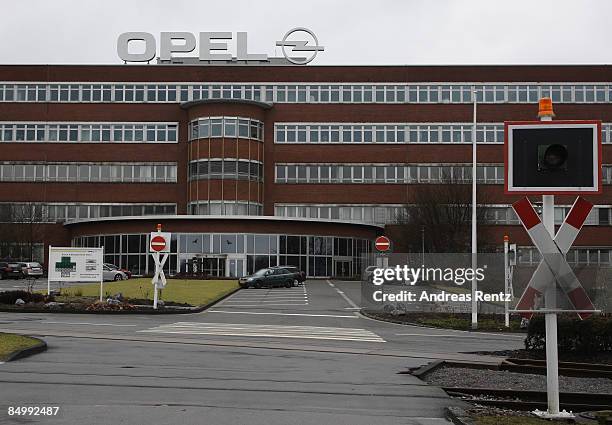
point(548, 157)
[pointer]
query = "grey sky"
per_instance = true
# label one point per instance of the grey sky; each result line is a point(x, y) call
point(353, 32)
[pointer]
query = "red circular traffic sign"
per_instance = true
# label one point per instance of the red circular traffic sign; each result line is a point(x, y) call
point(158, 243)
point(382, 244)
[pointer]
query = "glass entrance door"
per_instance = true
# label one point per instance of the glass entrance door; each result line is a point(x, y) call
point(342, 268)
point(206, 266)
point(235, 266)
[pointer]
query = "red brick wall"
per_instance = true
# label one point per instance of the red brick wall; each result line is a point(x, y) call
point(183, 191)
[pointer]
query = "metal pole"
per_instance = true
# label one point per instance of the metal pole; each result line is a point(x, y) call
point(474, 240)
point(550, 296)
point(48, 268)
point(102, 280)
point(506, 286)
point(155, 277)
point(552, 354)
point(423, 245)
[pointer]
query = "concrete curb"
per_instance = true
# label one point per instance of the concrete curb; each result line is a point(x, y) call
point(166, 310)
point(458, 416)
point(425, 369)
point(397, 322)
point(40, 347)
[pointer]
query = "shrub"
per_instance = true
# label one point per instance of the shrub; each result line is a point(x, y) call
point(9, 297)
point(573, 335)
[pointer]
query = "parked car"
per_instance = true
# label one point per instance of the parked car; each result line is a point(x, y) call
point(34, 270)
point(10, 270)
point(112, 274)
point(300, 276)
point(114, 267)
point(269, 277)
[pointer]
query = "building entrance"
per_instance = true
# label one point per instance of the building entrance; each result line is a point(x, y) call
point(207, 266)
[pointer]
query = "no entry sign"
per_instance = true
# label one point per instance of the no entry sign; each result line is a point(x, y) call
point(382, 244)
point(160, 242)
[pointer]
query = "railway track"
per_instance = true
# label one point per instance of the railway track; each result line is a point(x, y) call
point(580, 370)
point(522, 399)
point(530, 400)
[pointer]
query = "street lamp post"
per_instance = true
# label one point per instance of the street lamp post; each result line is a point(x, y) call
point(474, 240)
point(423, 245)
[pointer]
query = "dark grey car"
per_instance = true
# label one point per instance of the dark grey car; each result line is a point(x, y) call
point(269, 277)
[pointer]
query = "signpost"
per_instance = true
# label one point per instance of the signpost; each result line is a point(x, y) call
point(548, 159)
point(75, 265)
point(159, 246)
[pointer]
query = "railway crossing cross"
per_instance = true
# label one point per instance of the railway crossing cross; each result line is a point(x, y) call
point(159, 246)
point(553, 266)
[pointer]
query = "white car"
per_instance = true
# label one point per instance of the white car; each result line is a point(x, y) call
point(34, 270)
point(112, 274)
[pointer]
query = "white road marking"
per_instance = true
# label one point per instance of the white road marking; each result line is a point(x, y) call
point(273, 331)
point(281, 314)
point(473, 335)
point(259, 305)
point(270, 296)
point(343, 295)
point(88, 324)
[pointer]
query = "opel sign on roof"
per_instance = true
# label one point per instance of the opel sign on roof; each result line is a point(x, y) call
point(214, 46)
point(300, 45)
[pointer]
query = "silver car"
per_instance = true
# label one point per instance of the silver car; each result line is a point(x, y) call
point(31, 270)
point(112, 274)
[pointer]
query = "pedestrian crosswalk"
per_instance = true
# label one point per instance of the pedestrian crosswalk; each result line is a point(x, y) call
point(272, 331)
point(287, 297)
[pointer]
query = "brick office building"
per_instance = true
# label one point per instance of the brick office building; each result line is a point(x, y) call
point(251, 165)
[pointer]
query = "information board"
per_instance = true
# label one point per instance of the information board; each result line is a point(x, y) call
point(75, 264)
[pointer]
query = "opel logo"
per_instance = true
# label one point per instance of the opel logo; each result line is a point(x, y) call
point(310, 44)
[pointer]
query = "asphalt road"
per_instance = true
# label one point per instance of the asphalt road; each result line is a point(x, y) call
point(269, 356)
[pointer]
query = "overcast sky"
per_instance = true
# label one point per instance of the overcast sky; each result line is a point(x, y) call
point(353, 32)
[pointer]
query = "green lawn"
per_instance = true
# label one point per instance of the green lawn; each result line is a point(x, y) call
point(193, 292)
point(10, 343)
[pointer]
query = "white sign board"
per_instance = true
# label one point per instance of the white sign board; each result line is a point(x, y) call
point(75, 264)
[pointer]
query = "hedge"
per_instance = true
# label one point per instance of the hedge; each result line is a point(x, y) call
point(9, 297)
point(573, 335)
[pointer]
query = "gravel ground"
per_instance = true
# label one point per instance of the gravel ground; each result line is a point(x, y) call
point(497, 379)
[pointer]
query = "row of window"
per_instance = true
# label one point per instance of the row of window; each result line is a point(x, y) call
point(226, 207)
point(205, 243)
point(253, 129)
point(58, 212)
point(308, 93)
point(397, 173)
point(226, 127)
point(396, 133)
point(312, 254)
point(394, 213)
point(387, 173)
point(379, 214)
point(22, 251)
point(387, 133)
point(122, 172)
point(88, 132)
point(587, 256)
point(226, 168)
point(599, 215)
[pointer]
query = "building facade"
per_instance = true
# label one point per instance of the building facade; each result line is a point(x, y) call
point(251, 166)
